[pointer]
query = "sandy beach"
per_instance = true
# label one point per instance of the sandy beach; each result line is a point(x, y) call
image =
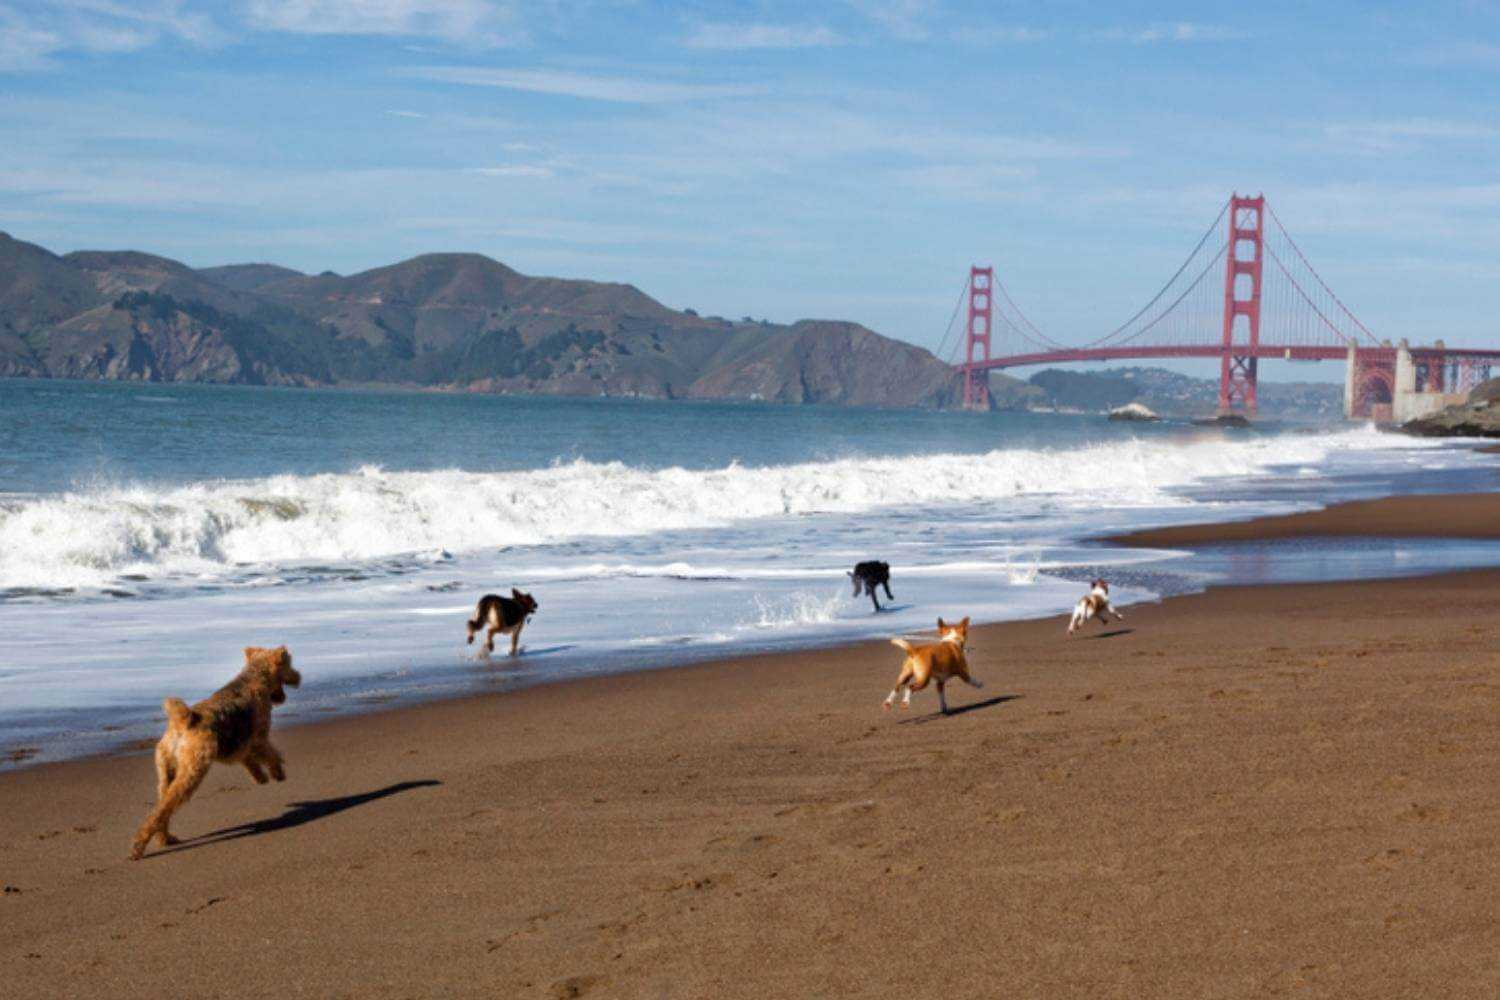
point(1252, 791)
point(1444, 515)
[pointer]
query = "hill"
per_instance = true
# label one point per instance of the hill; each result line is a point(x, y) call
point(1171, 393)
point(447, 320)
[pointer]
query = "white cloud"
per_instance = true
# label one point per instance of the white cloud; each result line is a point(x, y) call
point(998, 34)
point(512, 170)
point(903, 19)
point(1395, 136)
point(1477, 53)
point(405, 114)
point(623, 90)
point(965, 182)
point(466, 22)
point(1179, 31)
point(761, 36)
point(169, 17)
point(32, 38)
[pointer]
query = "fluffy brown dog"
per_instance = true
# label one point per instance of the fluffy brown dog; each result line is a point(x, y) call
point(233, 726)
point(940, 661)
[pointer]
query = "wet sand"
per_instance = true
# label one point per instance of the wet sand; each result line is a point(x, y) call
point(1253, 791)
point(1450, 515)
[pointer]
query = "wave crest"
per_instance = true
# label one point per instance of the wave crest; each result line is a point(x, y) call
point(214, 529)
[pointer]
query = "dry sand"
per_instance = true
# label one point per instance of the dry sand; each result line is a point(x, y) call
point(1253, 791)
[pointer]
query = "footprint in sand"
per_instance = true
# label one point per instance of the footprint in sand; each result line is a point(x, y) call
point(1416, 813)
point(575, 986)
point(734, 843)
point(1390, 857)
point(1005, 816)
point(704, 884)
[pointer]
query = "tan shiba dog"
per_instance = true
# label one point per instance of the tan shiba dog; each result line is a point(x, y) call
point(231, 726)
point(1094, 604)
point(940, 661)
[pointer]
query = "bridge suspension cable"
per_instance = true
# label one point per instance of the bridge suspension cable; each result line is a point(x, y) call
point(1037, 338)
point(948, 334)
point(1182, 315)
point(1119, 330)
point(1319, 279)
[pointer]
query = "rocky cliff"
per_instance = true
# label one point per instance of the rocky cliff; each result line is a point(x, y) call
point(1477, 416)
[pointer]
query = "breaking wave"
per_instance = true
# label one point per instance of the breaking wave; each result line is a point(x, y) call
point(216, 529)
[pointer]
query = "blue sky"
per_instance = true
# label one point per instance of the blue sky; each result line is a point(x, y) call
point(780, 160)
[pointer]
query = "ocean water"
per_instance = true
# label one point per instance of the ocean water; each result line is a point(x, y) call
point(147, 533)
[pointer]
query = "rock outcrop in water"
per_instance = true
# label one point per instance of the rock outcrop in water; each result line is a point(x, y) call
point(453, 321)
point(1478, 416)
point(1134, 412)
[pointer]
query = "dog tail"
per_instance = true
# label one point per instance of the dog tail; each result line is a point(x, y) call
point(477, 622)
point(179, 716)
point(902, 643)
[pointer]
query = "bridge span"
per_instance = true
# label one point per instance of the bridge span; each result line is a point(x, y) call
point(1270, 304)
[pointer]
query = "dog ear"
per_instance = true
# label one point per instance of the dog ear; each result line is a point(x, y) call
point(251, 652)
point(942, 627)
point(963, 626)
point(516, 593)
point(285, 672)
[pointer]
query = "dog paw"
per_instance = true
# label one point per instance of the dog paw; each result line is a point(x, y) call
point(137, 852)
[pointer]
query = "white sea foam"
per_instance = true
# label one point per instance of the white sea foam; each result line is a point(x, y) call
point(796, 609)
point(211, 530)
point(1023, 572)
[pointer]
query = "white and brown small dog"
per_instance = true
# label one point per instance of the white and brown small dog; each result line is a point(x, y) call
point(1095, 604)
point(940, 661)
point(497, 615)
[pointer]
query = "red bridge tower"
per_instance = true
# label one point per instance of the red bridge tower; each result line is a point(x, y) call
point(977, 338)
point(1241, 298)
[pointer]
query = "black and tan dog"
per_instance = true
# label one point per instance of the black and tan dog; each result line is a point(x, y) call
point(502, 616)
point(231, 726)
point(868, 576)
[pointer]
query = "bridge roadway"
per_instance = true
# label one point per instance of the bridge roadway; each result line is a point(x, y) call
point(1263, 351)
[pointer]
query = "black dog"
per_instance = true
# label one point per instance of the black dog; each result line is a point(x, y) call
point(869, 575)
point(503, 615)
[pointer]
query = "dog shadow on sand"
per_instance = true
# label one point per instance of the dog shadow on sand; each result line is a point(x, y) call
point(504, 659)
point(973, 706)
point(1110, 634)
point(296, 814)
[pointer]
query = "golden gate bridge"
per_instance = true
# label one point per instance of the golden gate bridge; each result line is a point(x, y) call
point(1248, 296)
